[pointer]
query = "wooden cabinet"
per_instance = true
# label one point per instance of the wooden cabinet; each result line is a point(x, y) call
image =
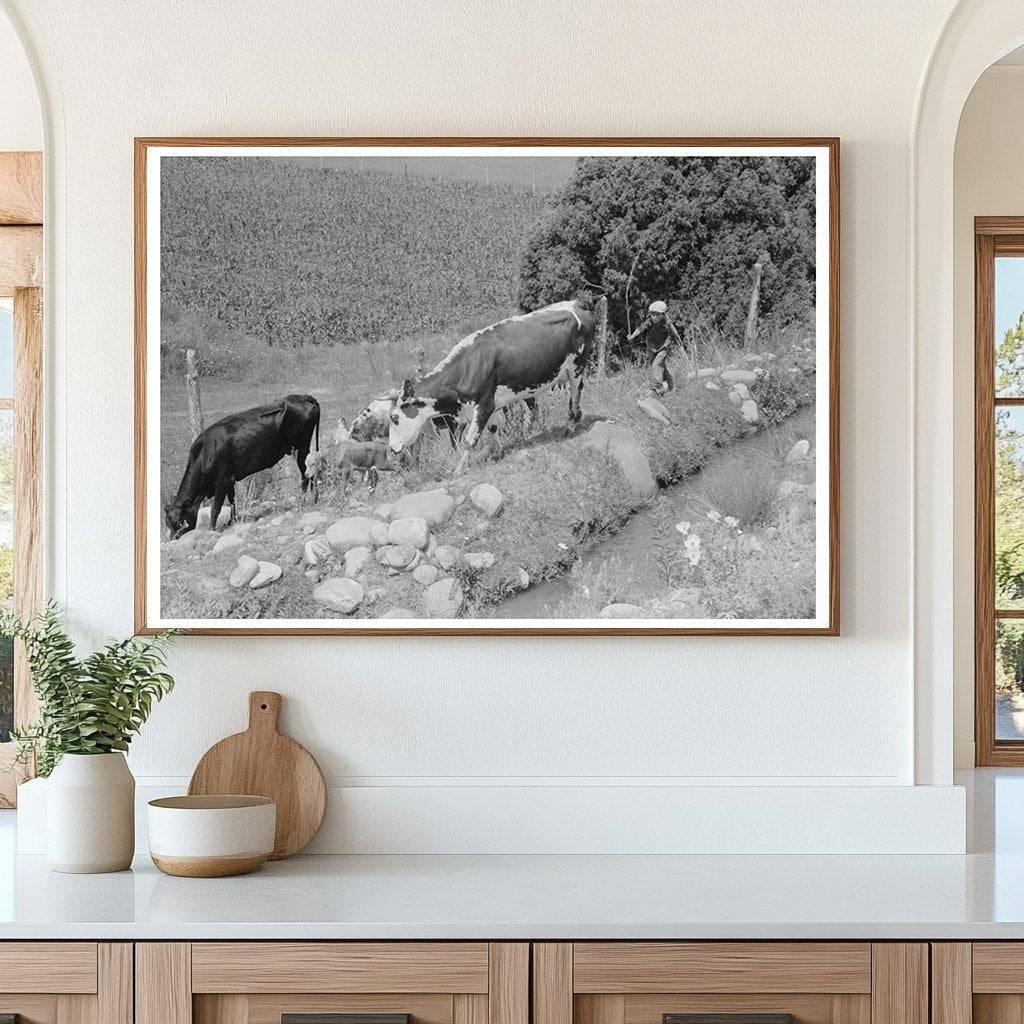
point(66, 982)
point(815, 982)
point(980, 982)
point(259, 982)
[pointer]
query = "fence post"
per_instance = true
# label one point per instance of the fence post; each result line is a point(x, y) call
point(195, 406)
point(750, 334)
point(602, 335)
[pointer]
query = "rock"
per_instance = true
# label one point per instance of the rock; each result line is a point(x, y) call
point(735, 397)
point(356, 559)
point(316, 550)
point(443, 599)
point(312, 574)
point(424, 575)
point(622, 446)
point(799, 451)
point(621, 611)
point(521, 576)
point(712, 385)
point(243, 573)
point(655, 410)
point(708, 371)
point(479, 559)
point(431, 546)
point(379, 534)
point(185, 543)
point(739, 376)
point(748, 410)
point(313, 522)
point(396, 556)
point(435, 506)
point(416, 559)
point(447, 557)
point(384, 511)
point(399, 613)
point(487, 498)
point(753, 357)
point(340, 595)
point(740, 389)
point(412, 531)
point(349, 533)
point(227, 542)
point(203, 518)
point(268, 572)
point(786, 488)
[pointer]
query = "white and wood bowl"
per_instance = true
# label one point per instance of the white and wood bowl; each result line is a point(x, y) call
point(211, 836)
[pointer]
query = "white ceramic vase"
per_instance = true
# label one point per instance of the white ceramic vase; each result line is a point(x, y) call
point(90, 814)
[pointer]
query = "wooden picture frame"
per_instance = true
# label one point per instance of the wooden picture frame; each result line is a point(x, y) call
point(826, 620)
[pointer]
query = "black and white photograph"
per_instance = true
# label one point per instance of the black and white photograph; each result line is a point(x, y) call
point(469, 387)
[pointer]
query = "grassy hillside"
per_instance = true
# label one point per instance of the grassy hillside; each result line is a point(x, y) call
point(301, 253)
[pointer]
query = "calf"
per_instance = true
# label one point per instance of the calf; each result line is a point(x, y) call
point(351, 456)
point(238, 446)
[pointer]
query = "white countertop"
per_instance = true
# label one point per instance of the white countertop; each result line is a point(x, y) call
point(978, 896)
point(532, 897)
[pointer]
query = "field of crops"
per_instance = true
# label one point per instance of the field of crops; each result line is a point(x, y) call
point(296, 253)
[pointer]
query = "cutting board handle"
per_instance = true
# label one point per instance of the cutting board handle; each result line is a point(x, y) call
point(264, 710)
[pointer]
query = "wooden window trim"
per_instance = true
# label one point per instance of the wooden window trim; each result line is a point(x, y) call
point(21, 255)
point(993, 237)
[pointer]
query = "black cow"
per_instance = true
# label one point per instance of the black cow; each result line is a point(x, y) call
point(238, 446)
point(509, 361)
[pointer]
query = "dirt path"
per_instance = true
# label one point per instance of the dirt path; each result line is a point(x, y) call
point(634, 545)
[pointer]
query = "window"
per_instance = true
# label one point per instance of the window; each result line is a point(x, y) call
point(999, 490)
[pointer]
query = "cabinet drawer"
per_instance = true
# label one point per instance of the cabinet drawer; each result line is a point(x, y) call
point(262, 982)
point(340, 967)
point(48, 967)
point(749, 982)
point(66, 982)
point(630, 967)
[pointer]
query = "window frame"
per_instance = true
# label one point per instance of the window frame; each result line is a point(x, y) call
point(21, 270)
point(993, 237)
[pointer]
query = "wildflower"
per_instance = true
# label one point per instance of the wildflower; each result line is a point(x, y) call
point(731, 522)
point(715, 517)
point(683, 527)
point(692, 546)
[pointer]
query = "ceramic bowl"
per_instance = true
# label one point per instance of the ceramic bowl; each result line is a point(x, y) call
point(211, 836)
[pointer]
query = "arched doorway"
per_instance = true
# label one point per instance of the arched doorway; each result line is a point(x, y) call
point(976, 34)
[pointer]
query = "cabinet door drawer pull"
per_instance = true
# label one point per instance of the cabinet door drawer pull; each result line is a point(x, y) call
point(728, 1018)
point(339, 1018)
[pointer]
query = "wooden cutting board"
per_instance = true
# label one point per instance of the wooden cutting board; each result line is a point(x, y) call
point(262, 762)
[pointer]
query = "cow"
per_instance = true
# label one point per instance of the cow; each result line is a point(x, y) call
point(509, 361)
point(238, 446)
point(372, 422)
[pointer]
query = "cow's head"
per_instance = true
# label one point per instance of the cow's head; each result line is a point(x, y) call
point(408, 418)
point(181, 518)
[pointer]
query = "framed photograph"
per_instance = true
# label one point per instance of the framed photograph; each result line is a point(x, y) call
point(487, 386)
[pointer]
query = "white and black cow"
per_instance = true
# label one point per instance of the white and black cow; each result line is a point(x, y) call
point(507, 362)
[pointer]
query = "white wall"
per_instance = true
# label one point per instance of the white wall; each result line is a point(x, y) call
point(444, 713)
point(988, 181)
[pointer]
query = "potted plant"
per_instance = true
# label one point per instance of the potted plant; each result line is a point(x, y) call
point(89, 709)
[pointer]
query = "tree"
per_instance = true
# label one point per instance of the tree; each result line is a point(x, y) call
point(1009, 470)
point(690, 229)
